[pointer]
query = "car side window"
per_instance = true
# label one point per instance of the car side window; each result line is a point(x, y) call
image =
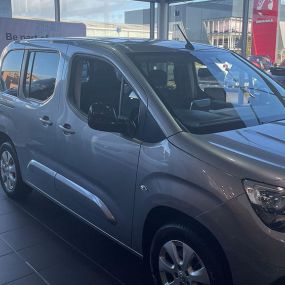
point(41, 72)
point(97, 81)
point(10, 72)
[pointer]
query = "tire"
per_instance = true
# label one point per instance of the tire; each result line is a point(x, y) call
point(10, 174)
point(198, 262)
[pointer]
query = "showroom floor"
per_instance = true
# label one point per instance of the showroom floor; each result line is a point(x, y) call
point(40, 243)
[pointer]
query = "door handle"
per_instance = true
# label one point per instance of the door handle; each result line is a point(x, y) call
point(46, 121)
point(67, 130)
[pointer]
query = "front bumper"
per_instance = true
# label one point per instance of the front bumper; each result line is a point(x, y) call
point(255, 253)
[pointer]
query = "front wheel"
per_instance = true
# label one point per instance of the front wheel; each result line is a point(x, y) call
point(10, 175)
point(180, 256)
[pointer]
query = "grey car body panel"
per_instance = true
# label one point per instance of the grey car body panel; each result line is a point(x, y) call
point(34, 141)
point(62, 183)
point(256, 253)
point(97, 153)
point(113, 182)
point(194, 186)
point(256, 152)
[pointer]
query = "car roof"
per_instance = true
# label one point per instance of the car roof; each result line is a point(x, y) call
point(124, 45)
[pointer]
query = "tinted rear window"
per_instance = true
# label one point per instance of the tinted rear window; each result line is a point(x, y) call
point(41, 75)
point(10, 72)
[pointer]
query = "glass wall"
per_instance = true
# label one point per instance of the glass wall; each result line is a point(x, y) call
point(218, 22)
point(35, 9)
point(215, 22)
point(105, 18)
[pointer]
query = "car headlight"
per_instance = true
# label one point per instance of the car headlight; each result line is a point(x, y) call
point(268, 202)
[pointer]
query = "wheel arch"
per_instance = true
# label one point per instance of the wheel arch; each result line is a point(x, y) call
point(4, 138)
point(163, 215)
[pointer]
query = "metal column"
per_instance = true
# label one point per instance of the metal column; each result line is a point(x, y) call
point(152, 20)
point(163, 20)
point(57, 10)
point(245, 19)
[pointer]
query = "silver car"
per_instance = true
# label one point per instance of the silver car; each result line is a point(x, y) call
point(127, 136)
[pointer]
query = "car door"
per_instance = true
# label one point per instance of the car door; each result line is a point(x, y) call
point(97, 175)
point(36, 113)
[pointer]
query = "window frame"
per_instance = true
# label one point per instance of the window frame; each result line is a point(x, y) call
point(20, 71)
point(25, 69)
point(84, 117)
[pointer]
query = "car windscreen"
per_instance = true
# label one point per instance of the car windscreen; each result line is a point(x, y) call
point(212, 91)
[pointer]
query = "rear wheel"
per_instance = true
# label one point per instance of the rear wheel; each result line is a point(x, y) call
point(180, 256)
point(10, 175)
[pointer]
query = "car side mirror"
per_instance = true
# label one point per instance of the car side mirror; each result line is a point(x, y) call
point(102, 117)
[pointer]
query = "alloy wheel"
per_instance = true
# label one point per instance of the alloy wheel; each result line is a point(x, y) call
point(8, 171)
point(179, 264)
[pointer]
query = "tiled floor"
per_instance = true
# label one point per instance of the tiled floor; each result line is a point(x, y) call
point(40, 243)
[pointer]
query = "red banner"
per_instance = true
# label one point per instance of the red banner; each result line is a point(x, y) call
point(264, 28)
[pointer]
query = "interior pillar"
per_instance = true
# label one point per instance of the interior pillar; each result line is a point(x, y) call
point(163, 20)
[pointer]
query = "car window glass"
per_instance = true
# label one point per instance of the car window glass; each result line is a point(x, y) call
point(41, 75)
point(10, 72)
point(85, 71)
point(205, 78)
point(169, 78)
point(224, 93)
point(161, 74)
point(96, 81)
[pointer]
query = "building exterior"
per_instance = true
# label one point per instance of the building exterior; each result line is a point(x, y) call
point(225, 32)
point(97, 29)
point(192, 16)
point(215, 22)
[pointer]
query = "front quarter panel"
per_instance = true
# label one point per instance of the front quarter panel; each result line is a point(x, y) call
point(169, 177)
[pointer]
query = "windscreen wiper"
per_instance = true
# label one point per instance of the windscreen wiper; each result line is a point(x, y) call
point(256, 89)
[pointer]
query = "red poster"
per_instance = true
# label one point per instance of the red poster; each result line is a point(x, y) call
point(264, 27)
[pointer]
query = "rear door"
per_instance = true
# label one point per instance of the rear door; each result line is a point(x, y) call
point(35, 115)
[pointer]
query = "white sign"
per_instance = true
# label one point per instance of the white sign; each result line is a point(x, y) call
point(21, 29)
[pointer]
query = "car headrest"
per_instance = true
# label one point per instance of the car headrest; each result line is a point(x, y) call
point(105, 73)
point(204, 72)
point(216, 93)
point(158, 78)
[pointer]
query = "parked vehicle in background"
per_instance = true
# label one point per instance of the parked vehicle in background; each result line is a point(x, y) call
point(282, 64)
point(262, 62)
point(174, 151)
point(278, 74)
